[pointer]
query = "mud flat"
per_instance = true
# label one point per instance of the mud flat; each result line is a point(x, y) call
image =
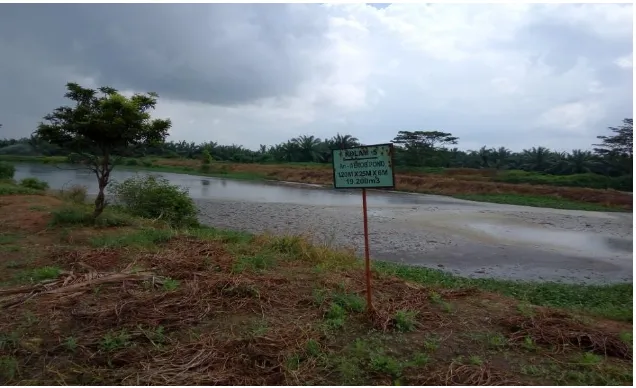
point(463, 237)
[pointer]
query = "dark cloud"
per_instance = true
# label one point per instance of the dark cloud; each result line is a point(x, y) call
point(220, 54)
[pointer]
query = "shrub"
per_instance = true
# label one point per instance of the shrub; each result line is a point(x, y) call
point(6, 170)
point(131, 162)
point(34, 183)
point(153, 197)
point(76, 194)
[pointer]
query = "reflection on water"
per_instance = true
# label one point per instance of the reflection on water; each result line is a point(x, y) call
point(573, 240)
point(62, 176)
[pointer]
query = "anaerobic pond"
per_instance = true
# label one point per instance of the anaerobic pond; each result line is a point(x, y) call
point(463, 237)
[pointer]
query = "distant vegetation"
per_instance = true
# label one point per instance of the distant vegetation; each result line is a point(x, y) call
point(607, 165)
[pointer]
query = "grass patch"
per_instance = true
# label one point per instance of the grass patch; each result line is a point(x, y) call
point(611, 301)
point(146, 237)
point(256, 263)
point(73, 215)
point(8, 188)
point(538, 201)
point(36, 275)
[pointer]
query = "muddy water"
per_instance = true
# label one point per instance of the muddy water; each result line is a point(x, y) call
point(463, 237)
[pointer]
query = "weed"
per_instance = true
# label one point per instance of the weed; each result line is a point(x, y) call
point(405, 320)
point(9, 341)
point(70, 215)
point(76, 194)
point(12, 264)
point(438, 300)
point(258, 328)
point(528, 344)
point(475, 360)
point(70, 343)
point(348, 301)
point(431, 343)
point(349, 370)
point(335, 316)
point(8, 367)
point(30, 319)
point(170, 284)
point(141, 238)
point(627, 337)
point(496, 340)
point(609, 301)
point(6, 170)
point(382, 363)
point(10, 248)
point(293, 362)
point(588, 359)
point(8, 238)
point(312, 348)
point(319, 296)
point(255, 263)
point(114, 340)
point(525, 309)
point(39, 274)
point(419, 359)
point(155, 335)
point(34, 183)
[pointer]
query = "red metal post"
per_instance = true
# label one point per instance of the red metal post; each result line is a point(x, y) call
point(367, 261)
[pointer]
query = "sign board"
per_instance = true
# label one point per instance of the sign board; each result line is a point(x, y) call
point(364, 167)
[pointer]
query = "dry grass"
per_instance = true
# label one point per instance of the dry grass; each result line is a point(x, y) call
point(205, 308)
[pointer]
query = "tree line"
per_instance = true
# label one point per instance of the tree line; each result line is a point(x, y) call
point(612, 156)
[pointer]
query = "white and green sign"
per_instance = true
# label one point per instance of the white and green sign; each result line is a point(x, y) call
point(363, 167)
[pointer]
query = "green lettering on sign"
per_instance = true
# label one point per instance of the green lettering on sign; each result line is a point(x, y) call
point(363, 167)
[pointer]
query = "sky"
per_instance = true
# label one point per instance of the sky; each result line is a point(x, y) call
point(518, 75)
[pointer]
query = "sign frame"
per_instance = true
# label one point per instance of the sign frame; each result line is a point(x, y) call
point(391, 166)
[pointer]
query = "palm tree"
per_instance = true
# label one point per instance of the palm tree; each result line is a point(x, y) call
point(536, 159)
point(344, 141)
point(308, 147)
point(501, 156)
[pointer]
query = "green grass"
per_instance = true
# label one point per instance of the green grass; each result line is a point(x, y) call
point(213, 173)
point(611, 301)
point(33, 159)
point(36, 275)
point(9, 188)
point(142, 238)
point(82, 215)
point(537, 201)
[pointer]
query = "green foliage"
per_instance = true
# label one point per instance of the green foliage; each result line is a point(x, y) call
point(405, 320)
point(75, 194)
point(34, 183)
point(100, 126)
point(80, 215)
point(10, 188)
point(6, 170)
point(155, 198)
point(140, 238)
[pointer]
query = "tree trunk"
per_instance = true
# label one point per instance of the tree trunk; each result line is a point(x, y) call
point(103, 173)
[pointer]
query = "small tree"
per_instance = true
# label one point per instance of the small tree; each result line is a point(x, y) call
point(102, 126)
point(206, 159)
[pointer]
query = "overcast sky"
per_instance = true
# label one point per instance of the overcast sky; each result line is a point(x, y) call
point(516, 75)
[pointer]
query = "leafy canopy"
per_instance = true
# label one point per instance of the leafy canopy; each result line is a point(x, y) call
point(101, 125)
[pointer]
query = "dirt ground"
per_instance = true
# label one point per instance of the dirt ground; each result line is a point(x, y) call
point(144, 304)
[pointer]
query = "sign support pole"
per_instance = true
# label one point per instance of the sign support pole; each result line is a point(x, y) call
point(367, 261)
point(364, 167)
